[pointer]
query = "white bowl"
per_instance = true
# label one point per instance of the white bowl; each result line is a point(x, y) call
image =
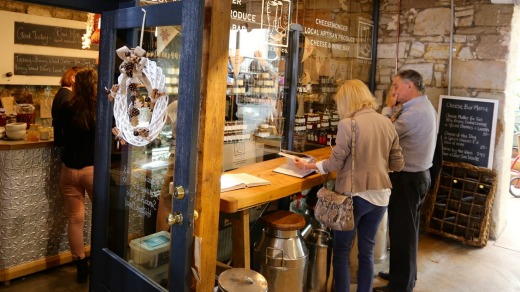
point(15, 135)
point(16, 126)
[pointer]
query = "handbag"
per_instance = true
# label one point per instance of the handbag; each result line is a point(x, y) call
point(335, 210)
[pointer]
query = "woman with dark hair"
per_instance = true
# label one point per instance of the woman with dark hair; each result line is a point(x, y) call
point(75, 132)
point(64, 93)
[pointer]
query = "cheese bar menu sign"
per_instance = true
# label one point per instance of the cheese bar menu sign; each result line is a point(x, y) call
point(468, 128)
point(46, 35)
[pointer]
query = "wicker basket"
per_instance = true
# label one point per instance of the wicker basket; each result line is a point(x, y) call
point(462, 203)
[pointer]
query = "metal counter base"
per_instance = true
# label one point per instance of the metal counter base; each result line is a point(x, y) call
point(33, 236)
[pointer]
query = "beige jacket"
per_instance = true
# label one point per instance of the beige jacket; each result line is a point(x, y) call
point(377, 152)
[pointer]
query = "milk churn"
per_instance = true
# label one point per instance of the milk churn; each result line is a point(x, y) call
point(319, 243)
point(281, 255)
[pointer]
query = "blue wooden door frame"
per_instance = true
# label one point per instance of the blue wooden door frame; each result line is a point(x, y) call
point(109, 271)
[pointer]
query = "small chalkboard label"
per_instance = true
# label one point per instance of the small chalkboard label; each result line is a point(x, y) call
point(45, 35)
point(43, 65)
point(468, 127)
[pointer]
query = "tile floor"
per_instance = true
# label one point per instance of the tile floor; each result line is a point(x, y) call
point(444, 265)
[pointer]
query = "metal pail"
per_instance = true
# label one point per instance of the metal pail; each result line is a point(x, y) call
point(240, 279)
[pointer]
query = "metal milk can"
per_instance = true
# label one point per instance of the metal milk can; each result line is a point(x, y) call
point(319, 243)
point(281, 255)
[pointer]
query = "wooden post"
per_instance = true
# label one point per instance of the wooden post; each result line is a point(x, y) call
point(211, 137)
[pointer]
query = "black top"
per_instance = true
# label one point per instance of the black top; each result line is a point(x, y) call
point(78, 144)
point(63, 95)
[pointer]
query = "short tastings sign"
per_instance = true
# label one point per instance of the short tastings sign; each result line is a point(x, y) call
point(43, 65)
point(467, 126)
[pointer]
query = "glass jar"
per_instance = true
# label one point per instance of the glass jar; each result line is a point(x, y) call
point(25, 113)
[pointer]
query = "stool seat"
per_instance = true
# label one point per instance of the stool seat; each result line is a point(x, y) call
point(283, 220)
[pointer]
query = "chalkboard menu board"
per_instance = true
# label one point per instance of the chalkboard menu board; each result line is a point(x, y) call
point(45, 35)
point(43, 65)
point(468, 129)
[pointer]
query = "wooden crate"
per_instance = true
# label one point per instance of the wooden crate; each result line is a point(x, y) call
point(462, 203)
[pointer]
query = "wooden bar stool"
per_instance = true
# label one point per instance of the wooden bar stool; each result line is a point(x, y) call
point(283, 220)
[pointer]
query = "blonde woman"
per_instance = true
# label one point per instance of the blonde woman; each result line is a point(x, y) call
point(377, 151)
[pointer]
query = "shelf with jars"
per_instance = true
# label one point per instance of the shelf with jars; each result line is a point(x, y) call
point(236, 131)
point(254, 89)
point(317, 118)
point(172, 80)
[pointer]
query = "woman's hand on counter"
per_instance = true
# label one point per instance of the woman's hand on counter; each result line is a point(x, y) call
point(301, 163)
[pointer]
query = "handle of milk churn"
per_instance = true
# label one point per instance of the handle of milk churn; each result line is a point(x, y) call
point(242, 279)
point(273, 257)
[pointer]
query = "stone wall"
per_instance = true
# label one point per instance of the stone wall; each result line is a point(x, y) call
point(47, 11)
point(418, 37)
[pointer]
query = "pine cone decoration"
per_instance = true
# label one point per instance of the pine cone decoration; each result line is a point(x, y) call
point(132, 87)
point(144, 132)
point(129, 66)
point(147, 99)
point(133, 112)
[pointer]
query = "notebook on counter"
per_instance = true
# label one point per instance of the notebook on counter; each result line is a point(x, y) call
point(235, 181)
point(289, 168)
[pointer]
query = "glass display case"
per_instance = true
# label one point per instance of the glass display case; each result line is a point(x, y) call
point(255, 98)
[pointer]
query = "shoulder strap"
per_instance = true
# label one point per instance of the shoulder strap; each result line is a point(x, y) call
point(353, 152)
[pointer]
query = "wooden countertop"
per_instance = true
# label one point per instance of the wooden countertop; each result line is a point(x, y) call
point(23, 144)
point(281, 185)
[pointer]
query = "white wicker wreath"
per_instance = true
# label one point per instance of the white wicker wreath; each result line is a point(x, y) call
point(139, 121)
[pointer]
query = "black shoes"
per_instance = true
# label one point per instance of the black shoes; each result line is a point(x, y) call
point(384, 276)
point(82, 268)
point(380, 289)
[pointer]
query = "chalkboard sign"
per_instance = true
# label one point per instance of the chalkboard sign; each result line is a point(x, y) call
point(468, 128)
point(45, 35)
point(43, 65)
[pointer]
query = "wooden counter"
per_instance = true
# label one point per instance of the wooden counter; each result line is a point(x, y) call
point(240, 201)
point(23, 144)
